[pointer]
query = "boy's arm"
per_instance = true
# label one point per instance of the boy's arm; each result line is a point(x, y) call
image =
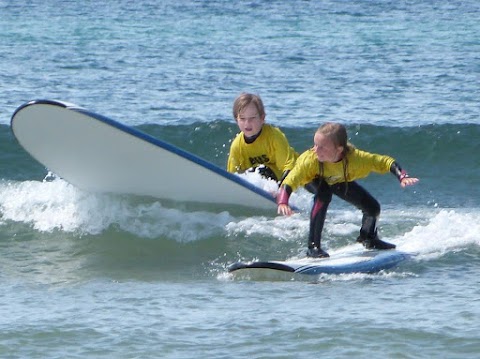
point(285, 155)
point(234, 162)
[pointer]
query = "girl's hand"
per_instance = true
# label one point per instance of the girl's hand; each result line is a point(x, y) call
point(408, 181)
point(284, 209)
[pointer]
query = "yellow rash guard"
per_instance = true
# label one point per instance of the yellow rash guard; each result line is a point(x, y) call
point(270, 148)
point(359, 165)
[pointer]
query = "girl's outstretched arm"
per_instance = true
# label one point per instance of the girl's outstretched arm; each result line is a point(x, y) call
point(402, 175)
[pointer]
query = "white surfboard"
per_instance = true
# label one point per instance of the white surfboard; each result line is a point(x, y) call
point(364, 261)
point(96, 153)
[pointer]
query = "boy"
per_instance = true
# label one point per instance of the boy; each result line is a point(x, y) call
point(258, 145)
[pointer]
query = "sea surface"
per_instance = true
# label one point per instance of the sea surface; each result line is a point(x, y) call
point(85, 275)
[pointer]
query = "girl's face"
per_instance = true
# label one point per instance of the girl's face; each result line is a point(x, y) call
point(249, 121)
point(325, 149)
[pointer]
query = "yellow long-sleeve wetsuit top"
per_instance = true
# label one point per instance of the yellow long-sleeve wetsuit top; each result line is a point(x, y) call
point(359, 164)
point(270, 148)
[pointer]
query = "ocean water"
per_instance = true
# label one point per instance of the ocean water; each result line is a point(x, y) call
point(86, 275)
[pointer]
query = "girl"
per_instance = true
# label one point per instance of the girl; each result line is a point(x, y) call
point(335, 164)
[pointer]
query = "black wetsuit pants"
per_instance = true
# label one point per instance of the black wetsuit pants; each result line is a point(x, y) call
point(351, 192)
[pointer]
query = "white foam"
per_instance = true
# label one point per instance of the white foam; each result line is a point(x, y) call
point(423, 231)
point(445, 231)
point(300, 199)
point(57, 205)
point(283, 228)
point(268, 185)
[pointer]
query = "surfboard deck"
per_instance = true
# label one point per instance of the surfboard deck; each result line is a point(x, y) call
point(96, 153)
point(367, 261)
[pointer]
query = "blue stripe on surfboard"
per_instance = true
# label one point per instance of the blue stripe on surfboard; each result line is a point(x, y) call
point(380, 262)
point(154, 141)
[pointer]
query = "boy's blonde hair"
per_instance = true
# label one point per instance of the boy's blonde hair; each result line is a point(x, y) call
point(245, 99)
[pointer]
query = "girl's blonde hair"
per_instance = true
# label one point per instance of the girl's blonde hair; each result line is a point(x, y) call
point(337, 133)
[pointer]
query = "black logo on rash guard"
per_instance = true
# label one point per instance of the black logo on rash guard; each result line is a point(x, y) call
point(259, 160)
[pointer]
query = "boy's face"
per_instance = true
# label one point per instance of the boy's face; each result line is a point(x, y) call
point(249, 121)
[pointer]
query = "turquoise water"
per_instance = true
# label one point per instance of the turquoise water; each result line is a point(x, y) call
point(88, 275)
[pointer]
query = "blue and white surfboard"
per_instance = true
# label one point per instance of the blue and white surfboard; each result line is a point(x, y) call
point(96, 153)
point(370, 261)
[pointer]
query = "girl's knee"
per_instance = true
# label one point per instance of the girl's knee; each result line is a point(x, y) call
point(374, 209)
